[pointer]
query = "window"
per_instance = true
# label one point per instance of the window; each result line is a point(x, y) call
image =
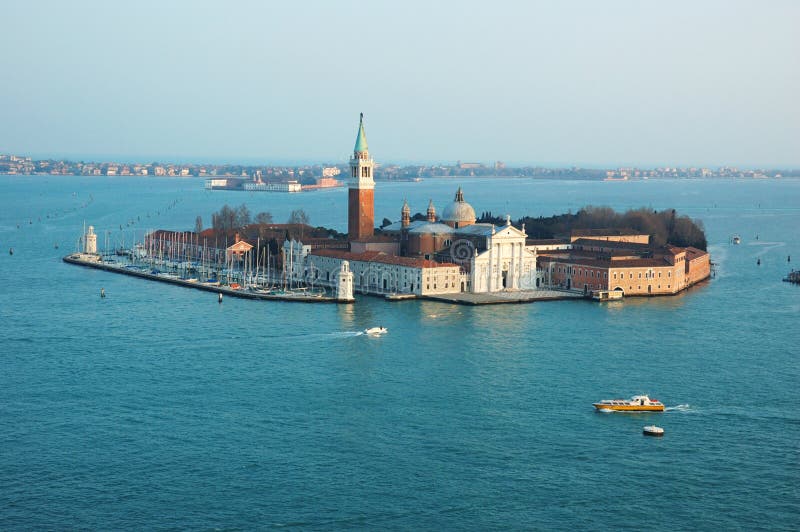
point(640, 275)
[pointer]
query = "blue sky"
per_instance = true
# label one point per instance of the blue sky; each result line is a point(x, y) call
point(552, 83)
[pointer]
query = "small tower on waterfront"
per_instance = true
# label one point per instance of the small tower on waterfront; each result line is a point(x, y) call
point(90, 241)
point(361, 189)
point(431, 214)
point(344, 283)
point(405, 215)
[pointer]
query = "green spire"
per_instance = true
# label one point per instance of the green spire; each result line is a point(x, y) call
point(361, 139)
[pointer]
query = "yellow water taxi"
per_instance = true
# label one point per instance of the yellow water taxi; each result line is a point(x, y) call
point(637, 403)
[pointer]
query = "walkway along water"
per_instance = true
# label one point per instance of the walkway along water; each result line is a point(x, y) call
point(76, 258)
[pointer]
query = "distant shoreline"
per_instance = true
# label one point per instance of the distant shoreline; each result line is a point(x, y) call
point(309, 174)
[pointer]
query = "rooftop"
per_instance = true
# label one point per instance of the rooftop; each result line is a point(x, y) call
point(605, 232)
point(432, 228)
point(610, 244)
point(383, 258)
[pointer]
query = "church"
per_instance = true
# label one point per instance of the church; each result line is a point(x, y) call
point(446, 254)
point(452, 253)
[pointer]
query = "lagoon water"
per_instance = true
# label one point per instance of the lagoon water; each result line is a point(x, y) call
point(158, 408)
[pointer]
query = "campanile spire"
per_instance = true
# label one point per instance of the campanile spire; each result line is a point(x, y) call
point(361, 193)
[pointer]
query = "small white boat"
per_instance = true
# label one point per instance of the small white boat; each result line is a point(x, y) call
point(652, 430)
point(376, 331)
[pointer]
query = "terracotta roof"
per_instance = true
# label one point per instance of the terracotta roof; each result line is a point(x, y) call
point(376, 238)
point(609, 244)
point(605, 232)
point(640, 263)
point(673, 249)
point(241, 245)
point(383, 258)
point(164, 233)
point(600, 263)
point(274, 226)
point(545, 241)
point(694, 253)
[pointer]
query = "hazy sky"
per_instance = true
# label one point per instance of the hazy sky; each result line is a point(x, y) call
point(557, 82)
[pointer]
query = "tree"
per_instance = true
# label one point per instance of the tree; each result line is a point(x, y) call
point(225, 219)
point(264, 218)
point(229, 219)
point(242, 216)
point(198, 224)
point(299, 216)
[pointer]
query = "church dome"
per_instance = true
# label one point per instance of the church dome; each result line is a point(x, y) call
point(459, 212)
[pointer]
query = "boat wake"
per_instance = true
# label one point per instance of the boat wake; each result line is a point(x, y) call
point(345, 334)
point(677, 408)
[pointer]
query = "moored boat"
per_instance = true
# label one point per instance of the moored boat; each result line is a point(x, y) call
point(637, 403)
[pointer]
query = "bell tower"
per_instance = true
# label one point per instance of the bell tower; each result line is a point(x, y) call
point(431, 214)
point(361, 189)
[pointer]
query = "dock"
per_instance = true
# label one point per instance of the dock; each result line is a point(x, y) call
point(81, 259)
point(505, 297)
point(399, 297)
point(607, 295)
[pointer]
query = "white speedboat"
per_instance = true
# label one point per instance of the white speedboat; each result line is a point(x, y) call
point(652, 430)
point(376, 331)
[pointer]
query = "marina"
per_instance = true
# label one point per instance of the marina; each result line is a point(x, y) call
point(179, 260)
point(233, 290)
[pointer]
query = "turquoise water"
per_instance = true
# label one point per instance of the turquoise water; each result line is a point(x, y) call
point(157, 407)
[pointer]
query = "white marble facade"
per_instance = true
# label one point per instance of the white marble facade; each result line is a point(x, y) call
point(500, 262)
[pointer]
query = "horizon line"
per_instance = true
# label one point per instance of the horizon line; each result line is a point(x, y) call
point(257, 161)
